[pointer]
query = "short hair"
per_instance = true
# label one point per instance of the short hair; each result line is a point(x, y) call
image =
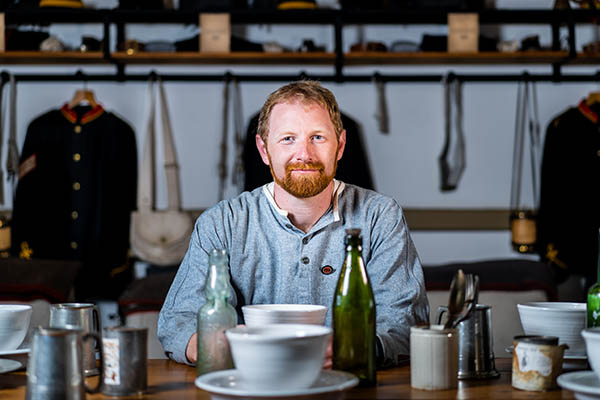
point(304, 91)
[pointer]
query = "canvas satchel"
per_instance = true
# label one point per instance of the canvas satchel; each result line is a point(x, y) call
point(160, 237)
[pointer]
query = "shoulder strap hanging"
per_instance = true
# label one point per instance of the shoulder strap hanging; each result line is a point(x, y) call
point(145, 194)
point(170, 156)
point(146, 186)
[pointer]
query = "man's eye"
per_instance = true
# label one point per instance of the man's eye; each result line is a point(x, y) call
point(318, 137)
point(287, 139)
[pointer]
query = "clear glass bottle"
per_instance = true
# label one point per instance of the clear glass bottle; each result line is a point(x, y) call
point(354, 315)
point(215, 316)
point(593, 298)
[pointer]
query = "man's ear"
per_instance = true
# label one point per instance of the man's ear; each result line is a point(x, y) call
point(262, 149)
point(341, 144)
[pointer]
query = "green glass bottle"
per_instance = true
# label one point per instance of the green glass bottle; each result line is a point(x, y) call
point(354, 315)
point(593, 298)
point(215, 316)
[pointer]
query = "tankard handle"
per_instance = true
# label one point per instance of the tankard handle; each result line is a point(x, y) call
point(440, 313)
point(96, 337)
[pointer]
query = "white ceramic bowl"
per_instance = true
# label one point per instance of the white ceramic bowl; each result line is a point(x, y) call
point(565, 320)
point(278, 357)
point(14, 323)
point(267, 314)
point(592, 346)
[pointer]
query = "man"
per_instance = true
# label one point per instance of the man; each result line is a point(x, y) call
point(285, 239)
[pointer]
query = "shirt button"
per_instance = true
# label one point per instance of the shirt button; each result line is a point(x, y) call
point(305, 241)
point(76, 157)
point(74, 215)
point(305, 260)
point(288, 226)
point(77, 129)
point(74, 245)
point(76, 186)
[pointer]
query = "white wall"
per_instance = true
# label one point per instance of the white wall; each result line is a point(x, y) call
point(404, 162)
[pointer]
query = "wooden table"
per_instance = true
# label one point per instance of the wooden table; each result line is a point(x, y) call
point(169, 380)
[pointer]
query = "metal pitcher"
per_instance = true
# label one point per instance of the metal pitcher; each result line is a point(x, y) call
point(84, 316)
point(475, 343)
point(55, 367)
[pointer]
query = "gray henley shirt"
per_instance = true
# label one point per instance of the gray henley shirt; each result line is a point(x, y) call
point(271, 262)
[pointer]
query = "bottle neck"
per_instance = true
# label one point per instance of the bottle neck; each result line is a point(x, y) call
point(217, 288)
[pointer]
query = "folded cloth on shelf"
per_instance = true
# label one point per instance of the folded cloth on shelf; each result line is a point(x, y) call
point(61, 3)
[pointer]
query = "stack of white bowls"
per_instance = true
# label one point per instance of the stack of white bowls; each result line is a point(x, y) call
point(565, 320)
point(266, 314)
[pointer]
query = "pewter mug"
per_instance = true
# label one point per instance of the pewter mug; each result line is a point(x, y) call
point(55, 367)
point(85, 316)
point(475, 346)
point(125, 357)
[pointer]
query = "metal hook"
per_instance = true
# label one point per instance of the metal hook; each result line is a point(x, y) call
point(81, 76)
point(153, 76)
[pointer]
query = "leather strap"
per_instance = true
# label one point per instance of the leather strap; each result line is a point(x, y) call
point(452, 160)
point(381, 113)
point(527, 118)
point(12, 152)
point(237, 175)
point(146, 186)
point(223, 147)
point(2, 113)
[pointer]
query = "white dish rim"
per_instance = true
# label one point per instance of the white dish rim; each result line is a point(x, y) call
point(350, 382)
point(565, 382)
point(16, 365)
point(542, 305)
point(274, 308)
point(14, 352)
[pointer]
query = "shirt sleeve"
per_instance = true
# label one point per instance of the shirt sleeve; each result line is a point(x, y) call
point(398, 285)
point(177, 318)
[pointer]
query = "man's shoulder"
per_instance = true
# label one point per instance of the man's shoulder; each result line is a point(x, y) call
point(366, 198)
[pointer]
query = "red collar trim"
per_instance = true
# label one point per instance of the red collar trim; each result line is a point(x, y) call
point(89, 116)
point(587, 111)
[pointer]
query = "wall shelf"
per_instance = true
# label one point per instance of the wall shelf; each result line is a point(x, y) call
point(337, 19)
point(61, 57)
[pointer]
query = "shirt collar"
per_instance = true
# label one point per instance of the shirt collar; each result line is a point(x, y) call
point(587, 111)
point(338, 188)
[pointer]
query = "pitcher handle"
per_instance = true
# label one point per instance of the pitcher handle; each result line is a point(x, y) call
point(96, 337)
point(97, 322)
point(440, 312)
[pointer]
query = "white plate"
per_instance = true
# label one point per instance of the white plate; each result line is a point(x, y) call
point(13, 352)
point(9, 365)
point(585, 384)
point(228, 384)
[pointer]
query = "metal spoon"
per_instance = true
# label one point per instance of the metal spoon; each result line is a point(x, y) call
point(471, 298)
point(457, 298)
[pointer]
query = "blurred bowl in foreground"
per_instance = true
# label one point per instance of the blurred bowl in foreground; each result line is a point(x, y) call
point(565, 320)
point(14, 323)
point(266, 314)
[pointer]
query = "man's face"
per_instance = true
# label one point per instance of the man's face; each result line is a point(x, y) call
point(302, 149)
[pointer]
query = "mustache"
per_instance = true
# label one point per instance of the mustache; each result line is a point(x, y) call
point(300, 165)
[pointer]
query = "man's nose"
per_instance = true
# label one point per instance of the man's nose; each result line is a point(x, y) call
point(304, 151)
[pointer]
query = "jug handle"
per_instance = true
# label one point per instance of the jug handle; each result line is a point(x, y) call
point(96, 337)
point(440, 313)
point(96, 317)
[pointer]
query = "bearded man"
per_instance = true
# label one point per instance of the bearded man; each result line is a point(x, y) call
point(285, 240)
